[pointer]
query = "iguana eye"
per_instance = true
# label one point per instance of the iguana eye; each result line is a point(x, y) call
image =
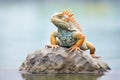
point(60, 16)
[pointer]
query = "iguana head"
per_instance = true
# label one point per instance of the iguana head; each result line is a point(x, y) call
point(64, 20)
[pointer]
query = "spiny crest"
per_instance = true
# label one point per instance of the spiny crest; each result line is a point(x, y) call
point(72, 19)
point(66, 12)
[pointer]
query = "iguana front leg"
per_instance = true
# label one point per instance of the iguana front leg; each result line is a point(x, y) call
point(53, 40)
point(80, 39)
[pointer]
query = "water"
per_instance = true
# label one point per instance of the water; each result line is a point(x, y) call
point(15, 75)
point(26, 26)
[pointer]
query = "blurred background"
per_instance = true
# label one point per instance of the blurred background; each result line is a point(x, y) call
point(25, 26)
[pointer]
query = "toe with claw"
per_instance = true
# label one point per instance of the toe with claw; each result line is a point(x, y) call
point(74, 48)
point(94, 56)
point(52, 46)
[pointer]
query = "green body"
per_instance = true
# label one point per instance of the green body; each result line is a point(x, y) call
point(66, 38)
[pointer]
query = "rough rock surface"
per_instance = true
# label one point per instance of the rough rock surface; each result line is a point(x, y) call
point(47, 60)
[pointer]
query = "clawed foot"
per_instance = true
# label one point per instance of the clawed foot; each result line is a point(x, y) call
point(93, 55)
point(52, 46)
point(74, 48)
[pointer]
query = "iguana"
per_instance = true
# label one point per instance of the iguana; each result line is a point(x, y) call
point(69, 34)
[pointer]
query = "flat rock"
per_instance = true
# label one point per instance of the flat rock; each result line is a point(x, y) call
point(48, 60)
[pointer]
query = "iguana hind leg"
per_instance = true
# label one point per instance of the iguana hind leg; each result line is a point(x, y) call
point(91, 47)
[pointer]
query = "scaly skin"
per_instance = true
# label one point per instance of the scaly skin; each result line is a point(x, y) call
point(69, 34)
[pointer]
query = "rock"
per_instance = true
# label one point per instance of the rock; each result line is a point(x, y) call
point(48, 60)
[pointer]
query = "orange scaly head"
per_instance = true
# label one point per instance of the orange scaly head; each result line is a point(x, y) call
point(72, 19)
